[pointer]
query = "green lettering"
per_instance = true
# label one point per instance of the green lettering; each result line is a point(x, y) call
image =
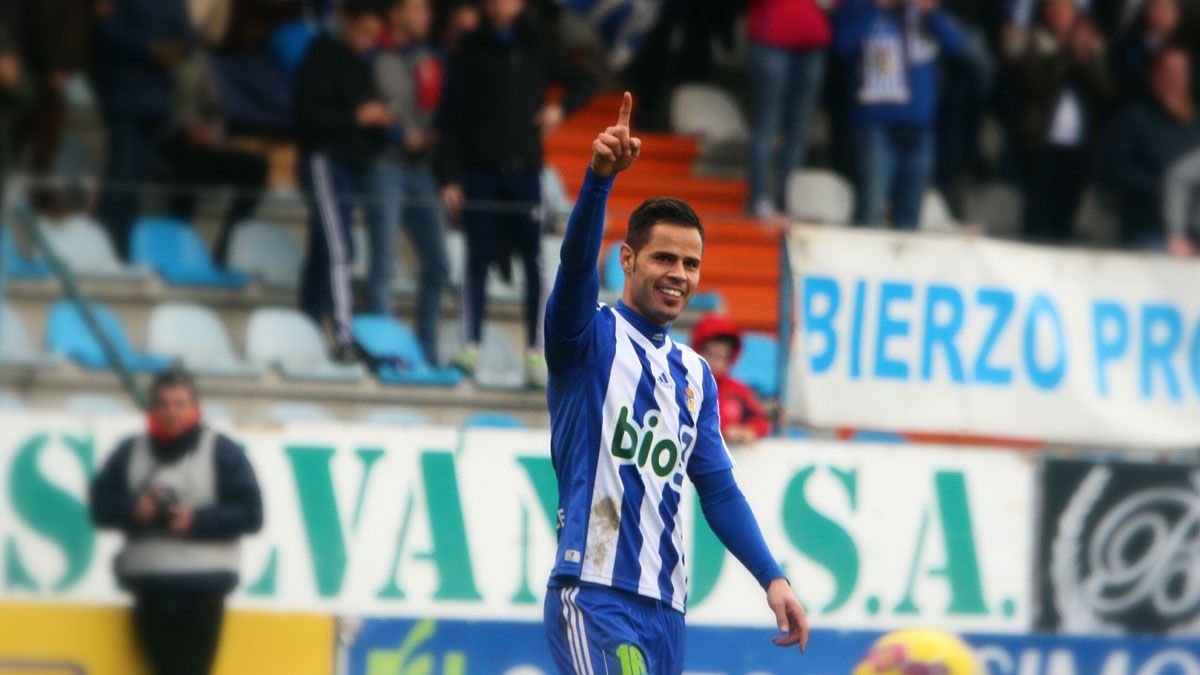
point(51, 511)
point(625, 433)
point(819, 537)
point(666, 453)
point(632, 661)
point(541, 476)
point(962, 561)
point(651, 422)
point(321, 513)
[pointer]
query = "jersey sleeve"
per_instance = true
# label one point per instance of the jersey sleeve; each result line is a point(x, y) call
point(571, 306)
point(710, 454)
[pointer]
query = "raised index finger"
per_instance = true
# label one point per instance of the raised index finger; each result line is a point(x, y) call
point(626, 108)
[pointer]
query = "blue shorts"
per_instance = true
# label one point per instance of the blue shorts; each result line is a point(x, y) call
point(595, 630)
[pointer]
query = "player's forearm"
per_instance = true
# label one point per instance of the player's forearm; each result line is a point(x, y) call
point(729, 515)
point(585, 228)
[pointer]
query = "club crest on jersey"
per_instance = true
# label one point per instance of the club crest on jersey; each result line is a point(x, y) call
point(645, 444)
point(691, 401)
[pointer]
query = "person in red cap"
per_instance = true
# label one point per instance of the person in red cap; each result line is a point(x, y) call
point(719, 341)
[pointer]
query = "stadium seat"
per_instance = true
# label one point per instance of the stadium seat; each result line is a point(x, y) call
point(494, 420)
point(216, 412)
point(402, 361)
point(360, 241)
point(193, 335)
point(872, 436)
point(266, 251)
point(17, 266)
point(500, 363)
point(10, 402)
point(935, 214)
point(758, 364)
point(298, 411)
point(613, 283)
point(16, 349)
point(96, 404)
point(397, 416)
point(67, 334)
point(83, 246)
point(708, 112)
point(819, 196)
point(291, 341)
point(179, 256)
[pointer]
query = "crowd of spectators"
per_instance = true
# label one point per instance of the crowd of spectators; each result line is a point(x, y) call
point(419, 113)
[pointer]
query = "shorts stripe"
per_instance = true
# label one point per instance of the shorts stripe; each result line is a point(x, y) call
point(572, 643)
point(579, 632)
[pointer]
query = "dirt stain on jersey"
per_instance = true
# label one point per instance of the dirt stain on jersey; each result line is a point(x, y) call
point(604, 529)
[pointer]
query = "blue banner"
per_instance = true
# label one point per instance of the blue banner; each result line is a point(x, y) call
point(453, 647)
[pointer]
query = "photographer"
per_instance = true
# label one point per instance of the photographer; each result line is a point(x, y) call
point(183, 495)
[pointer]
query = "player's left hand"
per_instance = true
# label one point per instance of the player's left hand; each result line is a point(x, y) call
point(789, 615)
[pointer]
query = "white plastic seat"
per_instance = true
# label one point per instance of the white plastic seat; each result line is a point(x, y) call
point(397, 416)
point(935, 214)
point(267, 251)
point(819, 196)
point(194, 335)
point(10, 402)
point(708, 112)
point(289, 340)
point(500, 363)
point(16, 349)
point(83, 245)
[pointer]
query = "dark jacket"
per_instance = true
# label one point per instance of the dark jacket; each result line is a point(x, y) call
point(128, 79)
point(1045, 69)
point(57, 34)
point(495, 87)
point(331, 83)
point(238, 511)
point(1143, 142)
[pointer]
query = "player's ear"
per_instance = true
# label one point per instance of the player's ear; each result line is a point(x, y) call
point(627, 258)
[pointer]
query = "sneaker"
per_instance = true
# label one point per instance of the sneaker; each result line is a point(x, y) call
point(536, 372)
point(467, 359)
point(352, 353)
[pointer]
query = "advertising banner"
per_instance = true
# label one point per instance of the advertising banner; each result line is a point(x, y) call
point(448, 647)
point(1120, 549)
point(372, 521)
point(964, 335)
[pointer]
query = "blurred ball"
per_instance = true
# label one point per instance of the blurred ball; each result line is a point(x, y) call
point(918, 651)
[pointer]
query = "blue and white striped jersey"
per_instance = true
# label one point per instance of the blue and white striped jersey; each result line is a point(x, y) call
point(632, 413)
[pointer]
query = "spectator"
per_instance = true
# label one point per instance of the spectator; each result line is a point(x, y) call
point(56, 44)
point(403, 188)
point(340, 120)
point(198, 156)
point(1063, 82)
point(1181, 207)
point(456, 20)
point(1144, 140)
point(183, 495)
point(495, 116)
point(1154, 29)
point(894, 46)
point(788, 41)
point(718, 340)
point(137, 45)
point(16, 95)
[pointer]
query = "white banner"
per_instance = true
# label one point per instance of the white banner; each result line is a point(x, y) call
point(968, 336)
point(365, 520)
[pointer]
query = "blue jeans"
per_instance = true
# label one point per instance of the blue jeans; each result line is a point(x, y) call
point(786, 85)
point(405, 195)
point(893, 163)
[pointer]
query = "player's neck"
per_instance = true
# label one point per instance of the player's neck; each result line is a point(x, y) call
point(652, 331)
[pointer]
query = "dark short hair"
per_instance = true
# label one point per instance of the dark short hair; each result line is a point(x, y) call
point(651, 212)
point(357, 9)
point(175, 376)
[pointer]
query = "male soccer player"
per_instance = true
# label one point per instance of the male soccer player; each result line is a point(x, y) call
point(633, 412)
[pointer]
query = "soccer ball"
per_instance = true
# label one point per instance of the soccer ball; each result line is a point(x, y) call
point(918, 652)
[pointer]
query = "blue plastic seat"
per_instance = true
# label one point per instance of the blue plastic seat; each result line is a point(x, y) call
point(176, 252)
point(612, 279)
point(494, 420)
point(68, 334)
point(758, 366)
point(873, 436)
point(17, 266)
point(402, 361)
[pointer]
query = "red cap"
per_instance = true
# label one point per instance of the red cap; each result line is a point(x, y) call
point(716, 326)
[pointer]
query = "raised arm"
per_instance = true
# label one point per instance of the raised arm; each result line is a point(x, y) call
point(572, 302)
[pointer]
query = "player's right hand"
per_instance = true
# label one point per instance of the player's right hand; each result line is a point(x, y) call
point(614, 150)
point(789, 615)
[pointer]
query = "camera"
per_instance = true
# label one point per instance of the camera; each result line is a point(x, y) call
point(165, 501)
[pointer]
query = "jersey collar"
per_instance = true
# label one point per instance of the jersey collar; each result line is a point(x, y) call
point(651, 331)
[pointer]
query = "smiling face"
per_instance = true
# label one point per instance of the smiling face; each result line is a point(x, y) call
point(662, 274)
